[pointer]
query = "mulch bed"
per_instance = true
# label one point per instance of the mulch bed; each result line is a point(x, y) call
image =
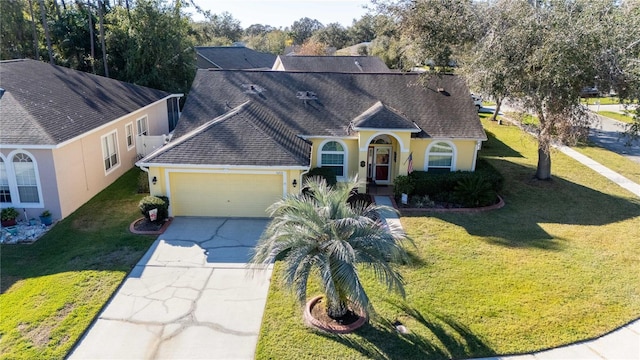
point(319, 312)
point(146, 227)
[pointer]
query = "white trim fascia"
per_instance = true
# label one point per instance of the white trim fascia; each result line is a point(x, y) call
point(194, 132)
point(306, 137)
point(32, 147)
point(387, 129)
point(110, 123)
point(223, 167)
point(207, 59)
point(401, 144)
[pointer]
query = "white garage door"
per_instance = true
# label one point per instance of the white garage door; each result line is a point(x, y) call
point(234, 195)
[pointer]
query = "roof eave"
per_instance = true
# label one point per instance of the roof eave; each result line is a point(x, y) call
point(387, 129)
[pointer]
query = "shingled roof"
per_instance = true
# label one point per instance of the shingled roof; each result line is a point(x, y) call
point(347, 64)
point(45, 104)
point(268, 113)
point(440, 108)
point(233, 57)
point(244, 136)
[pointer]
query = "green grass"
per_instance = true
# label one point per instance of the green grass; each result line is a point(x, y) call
point(558, 264)
point(608, 100)
point(52, 289)
point(615, 162)
point(617, 116)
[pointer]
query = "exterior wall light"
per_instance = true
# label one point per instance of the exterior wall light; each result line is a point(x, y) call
point(154, 180)
point(294, 183)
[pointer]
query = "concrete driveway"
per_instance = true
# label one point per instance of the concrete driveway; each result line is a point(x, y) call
point(189, 297)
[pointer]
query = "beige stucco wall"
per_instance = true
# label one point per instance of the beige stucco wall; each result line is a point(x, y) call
point(79, 164)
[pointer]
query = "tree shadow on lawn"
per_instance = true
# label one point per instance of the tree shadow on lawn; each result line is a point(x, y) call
point(531, 202)
point(381, 340)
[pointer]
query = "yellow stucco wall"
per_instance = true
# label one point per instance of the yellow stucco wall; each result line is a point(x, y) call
point(352, 153)
point(402, 145)
point(223, 192)
point(465, 153)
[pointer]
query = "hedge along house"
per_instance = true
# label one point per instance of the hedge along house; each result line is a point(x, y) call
point(65, 135)
point(246, 138)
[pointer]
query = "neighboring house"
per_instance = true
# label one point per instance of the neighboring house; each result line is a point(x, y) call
point(246, 138)
point(232, 57)
point(346, 64)
point(357, 49)
point(65, 135)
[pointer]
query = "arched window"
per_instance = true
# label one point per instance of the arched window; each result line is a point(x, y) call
point(26, 179)
point(5, 190)
point(333, 156)
point(440, 156)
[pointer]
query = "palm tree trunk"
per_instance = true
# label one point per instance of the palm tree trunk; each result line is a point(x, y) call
point(35, 33)
point(337, 310)
point(43, 13)
point(104, 48)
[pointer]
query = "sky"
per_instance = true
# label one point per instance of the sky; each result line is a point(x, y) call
point(282, 13)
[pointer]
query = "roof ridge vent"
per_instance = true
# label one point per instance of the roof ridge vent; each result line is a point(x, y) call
point(358, 65)
point(252, 88)
point(306, 95)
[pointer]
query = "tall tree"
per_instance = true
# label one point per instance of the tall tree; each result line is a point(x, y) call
point(102, 40)
point(303, 29)
point(333, 35)
point(35, 32)
point(47, 35)
point(92, 37)
point(541, 56)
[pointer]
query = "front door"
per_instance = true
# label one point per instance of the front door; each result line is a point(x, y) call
point(382, 164)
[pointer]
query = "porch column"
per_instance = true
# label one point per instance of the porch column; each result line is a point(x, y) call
point(362, 171)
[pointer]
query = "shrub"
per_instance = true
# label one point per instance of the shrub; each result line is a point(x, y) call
point(403, 185)
point(328, 174)
point(453, 187)
point(9, 214)
point(143, 183)
point(475, 192)
point(422, 201)
point(155, 202)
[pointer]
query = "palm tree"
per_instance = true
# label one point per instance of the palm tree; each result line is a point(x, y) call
point(319, 232)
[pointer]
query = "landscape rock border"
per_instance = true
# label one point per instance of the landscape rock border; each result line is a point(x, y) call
point(158, 232)
point(331, 328)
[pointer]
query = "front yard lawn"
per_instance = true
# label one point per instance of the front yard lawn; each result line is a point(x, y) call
point(52, 289)
point(617, 116)
point(558, 264)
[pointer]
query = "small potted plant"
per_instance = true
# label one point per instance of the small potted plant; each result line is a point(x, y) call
point(9, 216)
point(45, 218)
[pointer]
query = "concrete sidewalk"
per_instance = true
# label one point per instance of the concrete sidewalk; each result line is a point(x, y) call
point(190, 297)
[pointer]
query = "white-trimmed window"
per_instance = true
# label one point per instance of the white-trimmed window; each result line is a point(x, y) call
point(19, 180)
point(110, 151)
point(333, 155)
point(26, 180)
point(128, 130)
point(143, 126)
point(441, 156)
point(5, 190)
